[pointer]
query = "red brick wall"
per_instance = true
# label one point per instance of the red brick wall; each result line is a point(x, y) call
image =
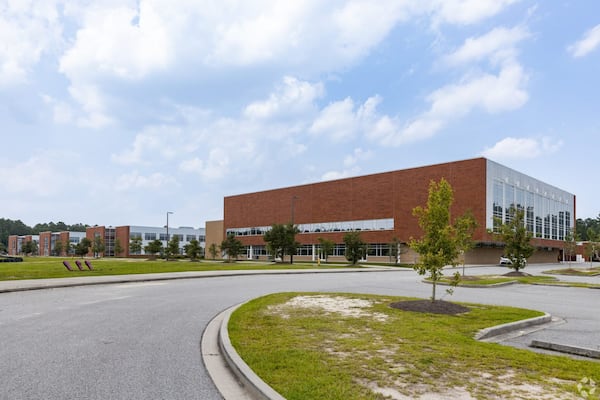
point(45, 244)
point(122, 233)
point(90, 234)
point(385, 195)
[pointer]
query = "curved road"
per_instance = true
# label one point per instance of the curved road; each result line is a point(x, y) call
point(142, 340)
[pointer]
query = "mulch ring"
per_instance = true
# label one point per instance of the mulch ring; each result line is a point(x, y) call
point(428, 306)
point(516, 273)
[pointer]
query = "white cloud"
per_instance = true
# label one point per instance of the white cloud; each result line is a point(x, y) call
point(490, 93)
point(215, 167)
point(154, 145)
point(118, 41)
point(62, 112)
point(522, 148)
point(292, 97)
point(176, 42)
point(588, 43)
point(357, 156)
point(497, 45)
point(337, 120)
point(134, 180)
point(28, 30)
point(343, 120)
point(29, 179)
point(93, 102)
point(332, 175)
point(464, 12)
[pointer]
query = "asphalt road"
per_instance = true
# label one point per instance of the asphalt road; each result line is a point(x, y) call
point(142, 340)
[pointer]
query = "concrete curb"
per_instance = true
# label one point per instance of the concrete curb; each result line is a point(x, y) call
point(564, 348)
point(257, 388)
point(497, 330)
point(260, 390)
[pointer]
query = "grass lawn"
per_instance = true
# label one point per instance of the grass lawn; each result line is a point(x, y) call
point(483, 280)
point(575, 271)
point(350, 347)
point(51, 267)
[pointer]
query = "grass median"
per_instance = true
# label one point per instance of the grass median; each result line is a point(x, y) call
point(493, 280)
point(52, 267)
point(355, 347)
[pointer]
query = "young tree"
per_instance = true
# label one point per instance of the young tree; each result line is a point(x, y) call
point(135, 245)
point(118, 247)
point(153, 248)
point(98, 246)
point(172, 248)
point(27, 248)
point(465, 226)
point(326, 247)
point(83, 247)
point(517, 240)
point(68, 248)
point(438, 245)
point(281, 240)
point(58, 248)
point(356, 249)
point(213, 250)
point(232, 247)
point(193, 249)
point(593, 246)
point(569, 246)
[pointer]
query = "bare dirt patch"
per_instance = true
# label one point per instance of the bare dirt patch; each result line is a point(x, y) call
point(347, 307)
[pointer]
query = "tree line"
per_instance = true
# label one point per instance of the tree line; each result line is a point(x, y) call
point(10, 227)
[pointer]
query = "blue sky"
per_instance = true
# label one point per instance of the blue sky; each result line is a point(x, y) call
point(114, 112)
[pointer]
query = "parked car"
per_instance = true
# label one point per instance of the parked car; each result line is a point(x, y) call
point(505, 261)
point(508, 261)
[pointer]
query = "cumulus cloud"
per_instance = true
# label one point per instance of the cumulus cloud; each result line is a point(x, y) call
point(351, 165)
point(342, 120)
point(154, 145)
point(28, 30)
point(121, 41)
point(179, 41)
point(522, 148)
point(487, 92)
point(292, 97)
point(588, 43)
point(497, 45)
point(213, 168)
point(135, 180)
point(464, 12)
point(28, 178)
point(357, 156)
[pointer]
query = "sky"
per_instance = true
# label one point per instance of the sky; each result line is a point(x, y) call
point(115, 112)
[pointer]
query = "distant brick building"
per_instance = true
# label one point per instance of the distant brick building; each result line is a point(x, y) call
point(112, 239)
point(380, 207)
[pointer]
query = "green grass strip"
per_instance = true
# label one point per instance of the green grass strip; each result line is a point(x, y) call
point(52, 267)
point(368, 352)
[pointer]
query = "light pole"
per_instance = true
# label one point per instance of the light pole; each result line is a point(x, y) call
point(167, 244)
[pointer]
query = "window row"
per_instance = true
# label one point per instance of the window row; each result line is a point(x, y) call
point(342, 226)
point(373, 250)
point(150, 236)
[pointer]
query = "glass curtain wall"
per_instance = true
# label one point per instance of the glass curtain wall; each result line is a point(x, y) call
point(548, 211)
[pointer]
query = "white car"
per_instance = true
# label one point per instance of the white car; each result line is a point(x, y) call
point(505, 261)
point(508, 261)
